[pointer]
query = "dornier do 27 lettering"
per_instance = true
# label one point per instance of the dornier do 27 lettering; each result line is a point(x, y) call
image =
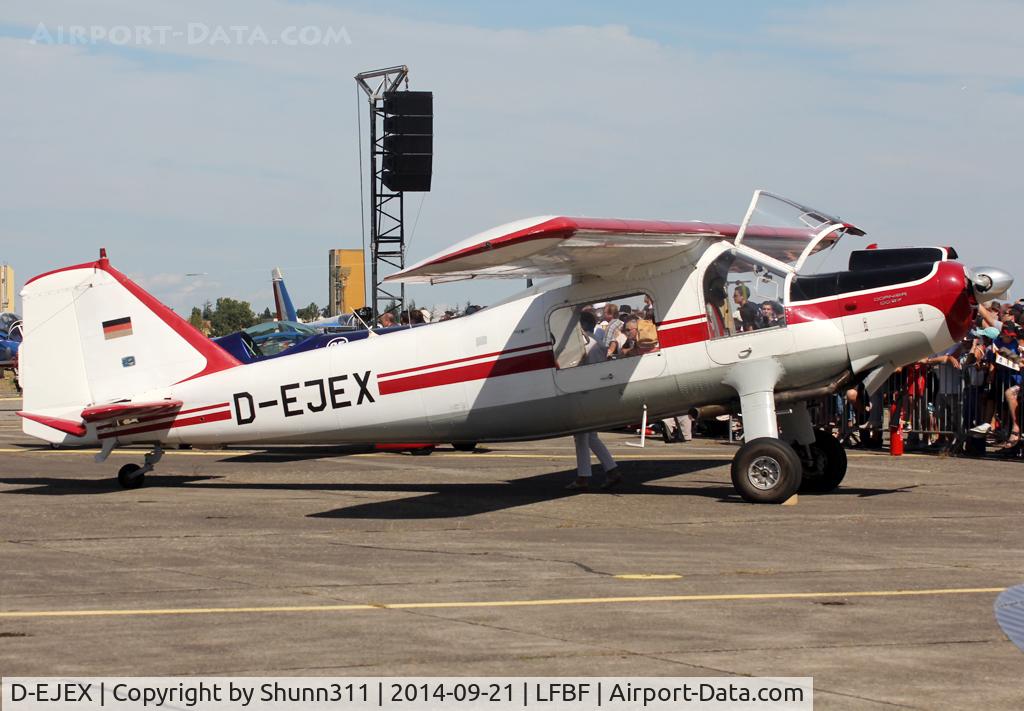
point(300, 398)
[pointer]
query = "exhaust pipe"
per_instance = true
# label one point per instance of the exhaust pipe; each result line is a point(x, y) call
point(783, 398)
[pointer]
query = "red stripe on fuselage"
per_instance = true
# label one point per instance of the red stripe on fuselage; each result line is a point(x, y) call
point(672, 321)
point(463, 360)
point(474, 371)
point(184, 422)
point(164, 415)
point(683, 335)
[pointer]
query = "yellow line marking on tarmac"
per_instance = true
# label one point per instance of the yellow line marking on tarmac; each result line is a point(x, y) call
point(357, 607)
point(648, 576)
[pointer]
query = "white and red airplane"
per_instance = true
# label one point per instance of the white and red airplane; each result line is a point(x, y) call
point(724, 316)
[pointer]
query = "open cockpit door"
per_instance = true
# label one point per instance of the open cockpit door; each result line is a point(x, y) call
point(788, 231)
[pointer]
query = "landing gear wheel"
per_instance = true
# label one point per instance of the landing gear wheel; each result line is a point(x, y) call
point(421, 451)
point(766, 471)
point(827, 466)
point(130, 476)
point(464, 446)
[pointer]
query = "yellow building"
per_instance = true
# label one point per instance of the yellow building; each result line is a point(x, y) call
point(346, 276)
point(6, 287)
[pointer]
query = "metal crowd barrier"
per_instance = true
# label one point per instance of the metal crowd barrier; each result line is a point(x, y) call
point(968, 409)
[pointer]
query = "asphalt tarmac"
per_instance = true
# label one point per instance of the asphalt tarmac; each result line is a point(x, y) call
point(314, 561)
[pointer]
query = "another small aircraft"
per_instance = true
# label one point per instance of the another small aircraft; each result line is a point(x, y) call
point(725, 317)
point(282, 301)
point(10, 338)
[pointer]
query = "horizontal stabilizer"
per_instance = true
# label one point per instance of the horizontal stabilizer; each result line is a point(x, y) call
point(121, 410)
point(75, 429)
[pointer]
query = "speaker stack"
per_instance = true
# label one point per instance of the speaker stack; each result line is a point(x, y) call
point(408, 140)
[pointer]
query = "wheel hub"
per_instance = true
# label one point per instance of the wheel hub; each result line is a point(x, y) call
point(764, 473)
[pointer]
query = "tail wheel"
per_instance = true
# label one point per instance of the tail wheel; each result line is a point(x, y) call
point(825, 468)
point(131, 476)
point(766, 471)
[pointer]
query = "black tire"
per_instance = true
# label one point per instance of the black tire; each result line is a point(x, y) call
point(129, 478)
point(766, 471)
point(829, 465)
point(464, 446)
point(422, 451)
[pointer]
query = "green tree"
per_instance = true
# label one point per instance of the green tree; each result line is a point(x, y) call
point(310, 313)
point(196, 319)
point(230, 315)
point(266, 315)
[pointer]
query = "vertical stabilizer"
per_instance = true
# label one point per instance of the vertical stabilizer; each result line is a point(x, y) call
point(282, 302)
point(92, 336)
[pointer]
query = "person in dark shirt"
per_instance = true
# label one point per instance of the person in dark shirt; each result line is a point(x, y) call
point(746, 311)
point(770, 315)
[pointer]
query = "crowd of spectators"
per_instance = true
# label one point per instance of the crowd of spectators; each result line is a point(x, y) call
point(415, 316)
point(967, 397)
point(612, 331)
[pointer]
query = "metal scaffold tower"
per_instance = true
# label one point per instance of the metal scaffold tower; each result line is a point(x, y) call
point(387, 219)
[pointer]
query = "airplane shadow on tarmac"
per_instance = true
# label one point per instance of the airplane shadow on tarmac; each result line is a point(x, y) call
point(61, 486)
point(438, 501)
point(469, 499)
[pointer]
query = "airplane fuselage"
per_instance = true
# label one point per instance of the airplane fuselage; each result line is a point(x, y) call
point(492, 376)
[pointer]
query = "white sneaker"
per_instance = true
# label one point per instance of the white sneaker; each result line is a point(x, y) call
point(982, 429)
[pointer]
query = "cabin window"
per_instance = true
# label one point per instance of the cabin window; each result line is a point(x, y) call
point(742, 295)
point(595, 332)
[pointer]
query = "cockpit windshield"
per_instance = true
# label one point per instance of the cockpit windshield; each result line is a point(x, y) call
point(788, 231)
point(10, 326)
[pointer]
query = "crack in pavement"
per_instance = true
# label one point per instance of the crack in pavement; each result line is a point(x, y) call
point(495, 554)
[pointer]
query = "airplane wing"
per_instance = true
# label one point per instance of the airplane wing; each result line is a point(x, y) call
point(561, 246)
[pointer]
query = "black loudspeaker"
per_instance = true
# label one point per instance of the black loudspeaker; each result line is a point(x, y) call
point(409, 103)
point(409, 144)
point(407, 164)
point(423, 125)
point(408, 140)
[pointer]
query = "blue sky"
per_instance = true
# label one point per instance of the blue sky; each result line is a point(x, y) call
point(226, 159)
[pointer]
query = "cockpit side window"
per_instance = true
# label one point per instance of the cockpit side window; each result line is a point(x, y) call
point(742, 295)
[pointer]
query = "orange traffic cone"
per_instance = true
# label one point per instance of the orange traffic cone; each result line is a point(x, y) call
point(896, 441)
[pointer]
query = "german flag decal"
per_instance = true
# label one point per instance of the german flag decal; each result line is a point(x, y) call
point(117, 328)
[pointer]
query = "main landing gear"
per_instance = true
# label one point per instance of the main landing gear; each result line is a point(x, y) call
point(824, 463)
point(767, 469)
point(132, 476)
